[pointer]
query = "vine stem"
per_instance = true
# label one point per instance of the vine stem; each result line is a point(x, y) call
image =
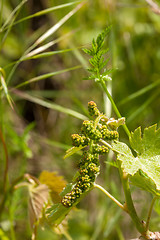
point(129, 202)
point(111, 197)
point(149, 213)
point(102, 83)
point(129, 206)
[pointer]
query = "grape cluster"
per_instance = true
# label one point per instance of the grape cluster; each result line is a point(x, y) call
point(91, 133)
point(87, 175)
point(107, 134)
point(92, 109)
point(78, 140)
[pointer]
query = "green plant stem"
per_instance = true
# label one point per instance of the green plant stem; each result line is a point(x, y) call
point(102, 83)
point(149, 213)
point(66, 234)
point(105, 143)
point(110, 196)
point(129, 202)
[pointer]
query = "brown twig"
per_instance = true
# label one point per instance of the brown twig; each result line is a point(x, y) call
point(154, 7)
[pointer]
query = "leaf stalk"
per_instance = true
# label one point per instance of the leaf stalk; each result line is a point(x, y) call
point(150, 212)
point(111, 197)
point(129, 202)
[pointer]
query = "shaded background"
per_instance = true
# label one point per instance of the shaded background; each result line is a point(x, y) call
point(38, 136)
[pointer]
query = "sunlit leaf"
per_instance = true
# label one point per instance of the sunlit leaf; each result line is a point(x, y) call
point(67, 189)
point(54, 182)
point(57, 213)
point(145, 166)
point(72, 150)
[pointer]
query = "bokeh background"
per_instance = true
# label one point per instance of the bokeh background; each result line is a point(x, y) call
point(37, 133)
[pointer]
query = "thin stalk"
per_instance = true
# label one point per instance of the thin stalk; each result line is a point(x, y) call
point(102, 83)
point(110, 196)
point(34, 233)
point(129, 202)
point(66, 234)
point(149, 213)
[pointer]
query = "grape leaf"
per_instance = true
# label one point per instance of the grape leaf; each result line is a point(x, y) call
point(56, 213)
point(142, 181)
point(38, 200)
point(73, 150)
point(54, 182)
point(147, 159)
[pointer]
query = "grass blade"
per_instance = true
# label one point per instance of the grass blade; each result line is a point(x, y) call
point(142, 107)
point(58, 25)
point(49, 105)
point(4, 87)
point(47, 75)
point(36, 51)
point(140, 92)
point(46, 54)
point(43, 12)
point(45, 36)
point(11, 17)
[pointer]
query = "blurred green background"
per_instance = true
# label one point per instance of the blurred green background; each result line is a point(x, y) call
point(37, 133)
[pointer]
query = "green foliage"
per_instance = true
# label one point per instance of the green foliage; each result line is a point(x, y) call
point(97, 61)
point(144, 168)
